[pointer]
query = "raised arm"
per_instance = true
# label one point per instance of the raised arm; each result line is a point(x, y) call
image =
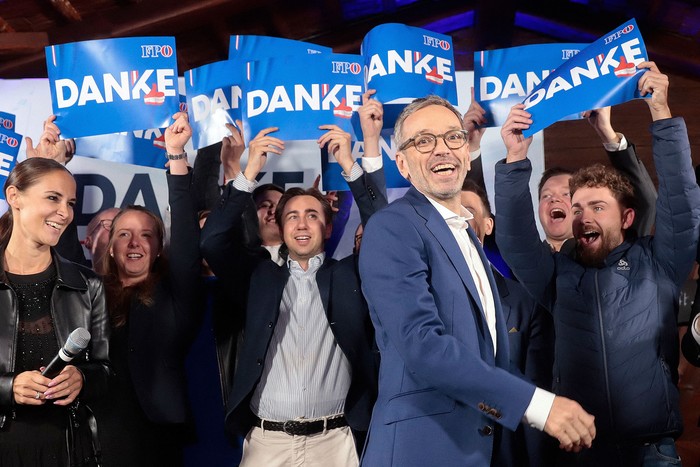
point(184, 259)
point(220, 246)
point(517, 236)
point(623, 157)
point(678, 205)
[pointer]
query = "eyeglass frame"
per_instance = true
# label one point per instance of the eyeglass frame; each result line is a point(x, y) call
point(102, 223)
point(410, 141)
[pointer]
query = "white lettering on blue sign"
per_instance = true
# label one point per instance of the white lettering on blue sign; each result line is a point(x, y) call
point(5, 162)
point(70, 93)
point(422, 65)
point(387, 146)
point(616, 35)
point(8, 140)
point(491, 87)
point(203, 107)
point(259, 101)
point(594, 68)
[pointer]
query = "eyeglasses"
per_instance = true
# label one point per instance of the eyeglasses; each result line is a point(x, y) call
point(358, 238)
point(105, 223)
point(426, 142)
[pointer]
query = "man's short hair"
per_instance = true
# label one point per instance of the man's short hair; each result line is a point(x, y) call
point(549, 173)
point(258, 192)
point(296, 191)
point(473, 187)
point(417, 105)
point(599, 176)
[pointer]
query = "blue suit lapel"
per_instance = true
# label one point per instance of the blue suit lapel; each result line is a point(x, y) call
point(502, 353)
point(438, 227)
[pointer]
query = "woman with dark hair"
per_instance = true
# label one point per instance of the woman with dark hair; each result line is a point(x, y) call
point(43, 299)
point(154, 307)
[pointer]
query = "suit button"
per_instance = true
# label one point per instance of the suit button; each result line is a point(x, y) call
point(482, 406)
point(487, 430)
point(269, 325)
point(259, 362)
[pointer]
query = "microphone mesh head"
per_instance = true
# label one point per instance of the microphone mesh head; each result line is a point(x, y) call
point(77, 341)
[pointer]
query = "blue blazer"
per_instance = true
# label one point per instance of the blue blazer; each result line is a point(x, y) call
point(441, 389)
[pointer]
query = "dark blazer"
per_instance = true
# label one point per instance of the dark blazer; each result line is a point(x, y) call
point(531, 340)
point(160, 334)
point(262, 282)
point(441, 388)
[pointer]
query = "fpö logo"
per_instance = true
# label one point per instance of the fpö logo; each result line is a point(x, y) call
point(435, 42)
point(6, 123)
point(616, 35)
point(9, 140)
point(346, 67)
point(155, 51)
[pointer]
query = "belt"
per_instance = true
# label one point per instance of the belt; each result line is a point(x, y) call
point(302, 427)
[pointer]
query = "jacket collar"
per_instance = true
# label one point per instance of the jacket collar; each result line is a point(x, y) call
point(67, 273)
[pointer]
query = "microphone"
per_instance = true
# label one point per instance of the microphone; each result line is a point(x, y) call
point(76, 343)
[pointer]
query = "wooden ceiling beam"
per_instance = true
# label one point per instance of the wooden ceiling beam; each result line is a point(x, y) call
point(67, 10)
point(12, 43)
point(5, 26)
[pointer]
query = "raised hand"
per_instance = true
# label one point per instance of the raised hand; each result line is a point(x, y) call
point(232, 147)
point(339, 144)
point(371, 114)
point(258, 149)
point(473, 122)
point(655, 83)
point(50, 145)
point(512, 133)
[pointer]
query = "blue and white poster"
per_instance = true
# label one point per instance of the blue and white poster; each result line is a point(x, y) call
point(7, 121)
point(9, 148)
point(113, 85)
point(404, 62)
point(504, 77)
point(604, 73)
point(332, 172)
point(260, 47)
point(139, 147)
point(213, 100)
point(299, 93)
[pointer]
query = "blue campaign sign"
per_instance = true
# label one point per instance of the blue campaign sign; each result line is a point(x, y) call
point(213, 99)
point(604, 73)
point(403, 62)
point(138, 147)
point(504, 77)
point(7, 121)
point(260, 47)
point(300, 93)
point(113, 85)
point(9, 147)
point(333, 180)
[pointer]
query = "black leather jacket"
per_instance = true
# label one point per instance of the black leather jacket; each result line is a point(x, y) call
point(77, 301)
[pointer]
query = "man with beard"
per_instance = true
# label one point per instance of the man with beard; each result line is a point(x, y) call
point(554, 208)
point(616, 347)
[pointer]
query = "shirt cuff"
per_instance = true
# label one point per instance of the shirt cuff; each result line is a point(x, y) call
point(241, 183)
point(696, 334)
point(537, 412)
point(614, 147)
point(355, 173)
point(372, 164)
point(474, 155)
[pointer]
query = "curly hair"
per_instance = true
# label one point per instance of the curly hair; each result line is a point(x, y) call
point(599, 176)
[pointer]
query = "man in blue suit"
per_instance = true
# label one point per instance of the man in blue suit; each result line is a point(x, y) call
point(444, 385)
